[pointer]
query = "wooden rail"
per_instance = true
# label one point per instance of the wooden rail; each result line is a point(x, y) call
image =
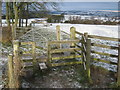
point(64, 50)
point(68, 63)
point(105, 54)
point(78, 33)
point(104, 38)
point(104, 61)
point(104, 46)
point(66, 57)
point(65, 33)
point(63, 41)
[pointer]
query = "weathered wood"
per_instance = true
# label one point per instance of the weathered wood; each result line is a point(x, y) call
point(33, 51)
point(17, 64)
point(39, 47)
point(10, 72)
point(65, 33)
point(65, 57)
point(27, 43)
point(58, 34)
point(64, 50)
point(26, 52)
point(34, 56)
point(77, 45)
point(49, 55)
point(104, 61)
point(78, 33)
point(104, 46)
point(13, 32)
point(86, 36)
point(103, 38)
point(72, 35)
point(84, 56)
point(105, 54)
point(82, 40)
point(78, 52)
point(27, 60)
point(118, 68)
point(88, 58)
point(63, 41)
point(83, 52)
point(15, 46)
point(68, 63)
point(17, 71)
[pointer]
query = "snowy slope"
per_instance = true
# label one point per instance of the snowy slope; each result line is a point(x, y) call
point(101, 30)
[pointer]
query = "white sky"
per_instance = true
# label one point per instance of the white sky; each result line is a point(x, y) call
point(61, 0)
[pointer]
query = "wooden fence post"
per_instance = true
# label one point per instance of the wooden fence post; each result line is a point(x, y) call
point(72, 35)
point(13, 32)
point(86, 35)
point(49, 55)
point(58, 34)
point(10, 72)
point(15, 47)
point(118, 68)
point(17, 64)
point(83, 45)
point(88, 58)
point(34, 57)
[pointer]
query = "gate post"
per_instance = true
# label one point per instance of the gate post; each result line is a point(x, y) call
point(13, 32)
point(58, 34)
point(86, 35)
point(118, 68)
point(49, 55)
point(15, 47)
point(88, 58)
point(17, 64)
point(10, 72)
point(34, 56)
point(72, 35)
point(83, 46)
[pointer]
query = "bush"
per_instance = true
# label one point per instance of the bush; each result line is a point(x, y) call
point(55, 18)
point(78, 20)
point(67, 22)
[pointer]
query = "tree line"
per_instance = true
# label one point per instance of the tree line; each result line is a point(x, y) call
point(92, 20)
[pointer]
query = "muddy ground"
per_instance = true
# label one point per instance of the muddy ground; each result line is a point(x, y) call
point(70, 77)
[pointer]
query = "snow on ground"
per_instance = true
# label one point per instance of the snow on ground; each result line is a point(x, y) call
point(101, 30)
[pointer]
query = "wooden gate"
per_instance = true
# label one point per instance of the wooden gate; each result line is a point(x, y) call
point(58, 54)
